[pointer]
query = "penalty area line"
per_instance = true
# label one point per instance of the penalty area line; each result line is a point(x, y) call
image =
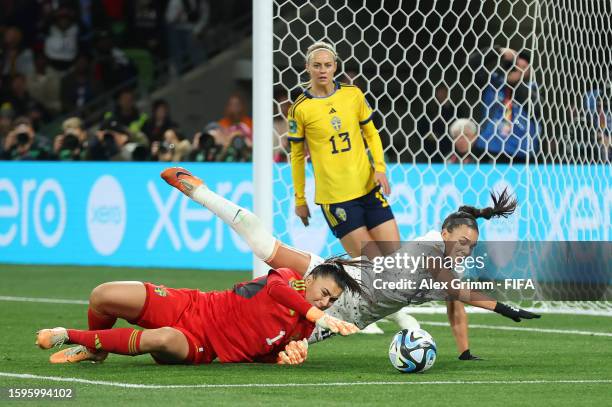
point(262, 385)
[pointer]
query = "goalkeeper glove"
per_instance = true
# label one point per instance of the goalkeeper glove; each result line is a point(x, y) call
point(466, 355)
point(295, 353)
point(325, 321)
point(514, 313)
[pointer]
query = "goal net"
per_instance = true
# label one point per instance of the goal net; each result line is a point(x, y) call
point(437, 75)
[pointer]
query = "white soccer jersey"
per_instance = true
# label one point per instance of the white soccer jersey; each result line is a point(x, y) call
point(363, 311)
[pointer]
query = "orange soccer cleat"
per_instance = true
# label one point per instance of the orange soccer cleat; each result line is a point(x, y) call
point(181, 179)
point(77, 354)
point(48, 338)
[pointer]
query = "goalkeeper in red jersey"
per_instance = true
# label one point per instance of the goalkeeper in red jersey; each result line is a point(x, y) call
point(265, 320)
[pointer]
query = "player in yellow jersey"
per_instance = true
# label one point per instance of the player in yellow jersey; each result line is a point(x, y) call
point(334, 119)
point(336, 122)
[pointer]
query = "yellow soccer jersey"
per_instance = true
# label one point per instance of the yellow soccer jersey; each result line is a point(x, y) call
point(332, 127)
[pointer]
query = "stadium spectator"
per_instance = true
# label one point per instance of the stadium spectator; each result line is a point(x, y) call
point(126, 112)
point(14, 57)
point(112, 66)
point(62, 39)
point(72, 144)
point(21, 101)
point(110, 143)
point(280, 142)
point(6, 122)
point(598, 108)
point(159, 122)
point(237, 150)
point(508, 108)
point(205, 147)
point(236, 120)
point(79, 87)
point(463, 133)
point(44, 85)
point(180, 147)
point(22, 143)
point(145, 25)
point(185, 21)
point(433, 127)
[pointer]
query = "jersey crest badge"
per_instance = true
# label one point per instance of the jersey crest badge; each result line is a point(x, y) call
point(161, 291)
point(292, 126)
point(336, 123)
point(340, 214)
point(298, 285)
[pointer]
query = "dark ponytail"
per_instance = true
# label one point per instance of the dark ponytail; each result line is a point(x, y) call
point(334, 267)
point(504, 205)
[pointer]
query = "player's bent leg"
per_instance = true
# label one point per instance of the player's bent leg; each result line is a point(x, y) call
point(355, 241)
point(168, 345)
point(387, 236)
point(286, 256)
point(121, 299)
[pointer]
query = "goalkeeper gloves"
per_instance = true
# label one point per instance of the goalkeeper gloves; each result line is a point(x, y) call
point(516, 314)
point(466, 355)
point(325, 321)
point(295, 353)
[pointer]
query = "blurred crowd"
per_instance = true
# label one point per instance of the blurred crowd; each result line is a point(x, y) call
point(56, 56)
point(126, 134)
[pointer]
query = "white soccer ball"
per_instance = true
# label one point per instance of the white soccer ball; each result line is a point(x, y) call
point(412, 351)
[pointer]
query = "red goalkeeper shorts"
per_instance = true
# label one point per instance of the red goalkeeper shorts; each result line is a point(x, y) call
point(178, 309)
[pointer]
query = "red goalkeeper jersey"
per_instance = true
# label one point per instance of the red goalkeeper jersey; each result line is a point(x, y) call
point(255, 320)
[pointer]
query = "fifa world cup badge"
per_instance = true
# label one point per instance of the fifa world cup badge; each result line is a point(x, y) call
point(292, 126)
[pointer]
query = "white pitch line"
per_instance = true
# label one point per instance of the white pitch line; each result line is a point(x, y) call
point(46, 300)
point(524, 329)
point(433, 323)
point(252, 385)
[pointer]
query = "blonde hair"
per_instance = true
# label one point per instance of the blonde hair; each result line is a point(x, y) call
point(321, 46)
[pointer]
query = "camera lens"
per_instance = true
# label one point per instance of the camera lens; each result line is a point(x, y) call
point(23, 138)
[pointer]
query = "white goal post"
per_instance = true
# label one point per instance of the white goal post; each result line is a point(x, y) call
point(423, 66)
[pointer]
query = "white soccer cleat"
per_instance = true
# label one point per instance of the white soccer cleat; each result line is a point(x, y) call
point(372, 329)
point(406, 321)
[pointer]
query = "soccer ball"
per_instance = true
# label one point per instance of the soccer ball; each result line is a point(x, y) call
point(412, 350)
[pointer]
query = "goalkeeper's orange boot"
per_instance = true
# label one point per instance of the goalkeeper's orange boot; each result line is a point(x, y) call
point(48, 338)
point(181, 179)
point(77, 354)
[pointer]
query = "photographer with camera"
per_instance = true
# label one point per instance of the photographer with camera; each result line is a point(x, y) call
point(21, 142)
point(110, 142)
point(207, 143)
point(174, 147)
point(237, 150)
point(508, 108)
point(71, 145)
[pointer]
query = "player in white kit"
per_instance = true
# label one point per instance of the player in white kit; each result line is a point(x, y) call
point(456, 240)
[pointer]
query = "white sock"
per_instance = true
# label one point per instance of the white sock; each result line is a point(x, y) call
point(243, 221)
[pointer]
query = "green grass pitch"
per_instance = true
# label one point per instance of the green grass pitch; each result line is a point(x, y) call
point(548, 365)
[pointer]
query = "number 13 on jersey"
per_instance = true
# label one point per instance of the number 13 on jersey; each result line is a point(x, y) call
point(344, 142)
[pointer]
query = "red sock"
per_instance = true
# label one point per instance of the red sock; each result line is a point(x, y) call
point(98, 321)
point(124, 341)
